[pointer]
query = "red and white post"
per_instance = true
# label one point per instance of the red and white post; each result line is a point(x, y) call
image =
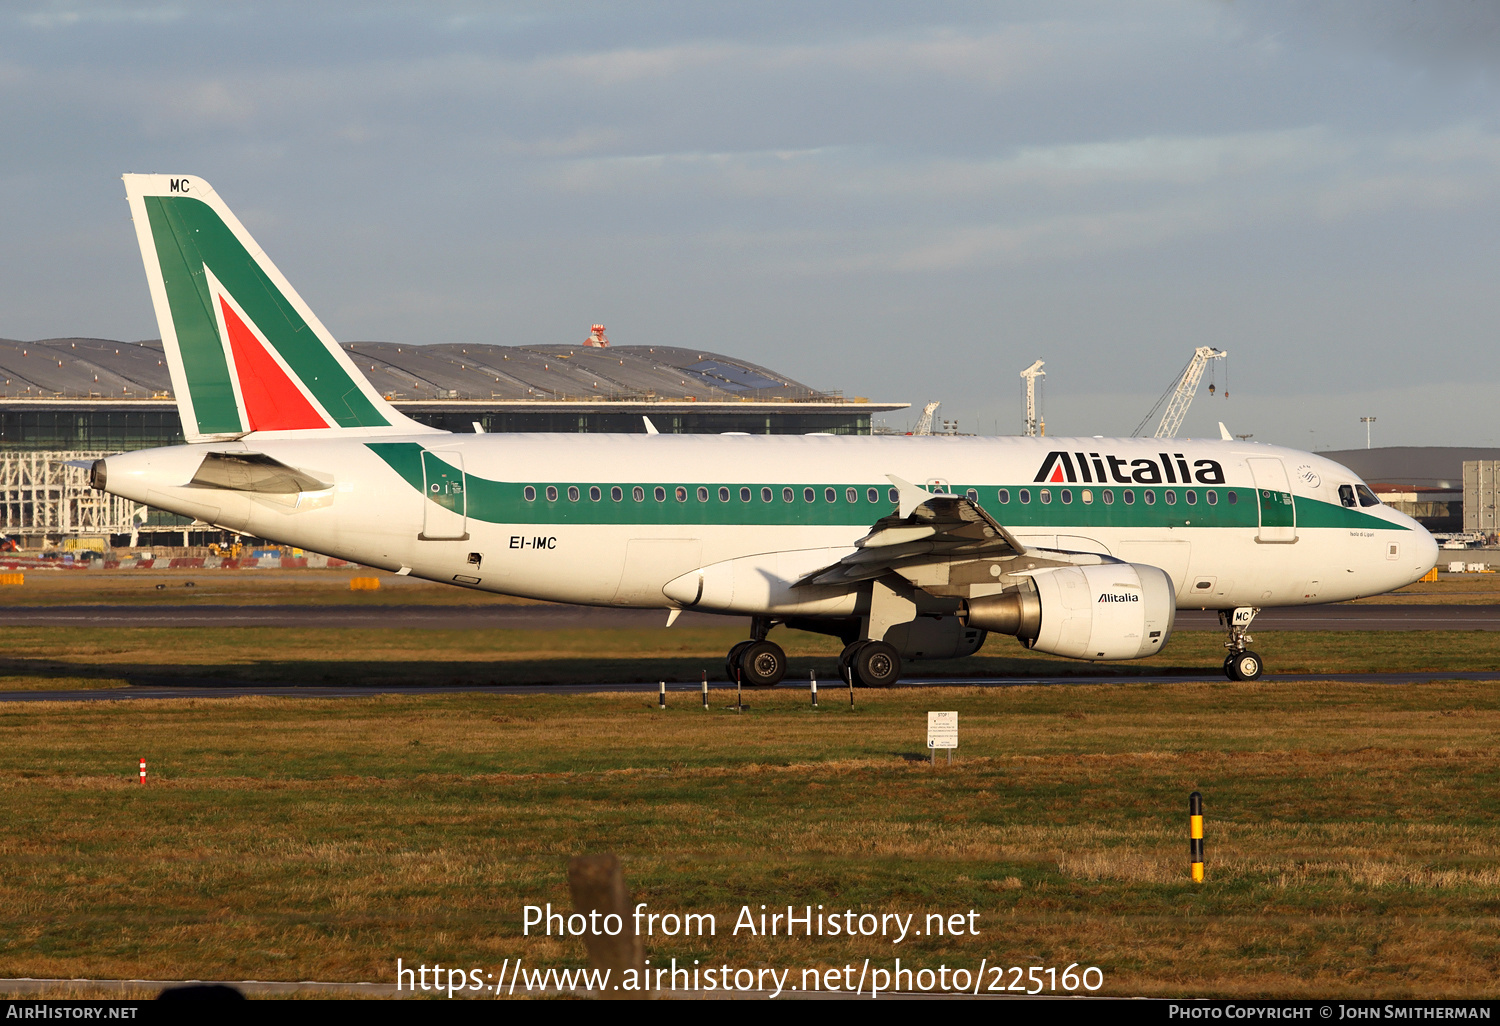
point(143, 771)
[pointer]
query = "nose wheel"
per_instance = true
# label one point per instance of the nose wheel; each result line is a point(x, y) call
point(1240, 663)
point(1245, 665)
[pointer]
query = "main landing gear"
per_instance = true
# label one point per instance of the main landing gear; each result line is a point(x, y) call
point(874, 664)
point(1240, 663)
point(756, 663)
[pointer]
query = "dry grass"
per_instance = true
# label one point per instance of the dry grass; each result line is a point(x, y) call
point(35, 656)
point(1352, 836)
point(57, 587)
point(1457, 589)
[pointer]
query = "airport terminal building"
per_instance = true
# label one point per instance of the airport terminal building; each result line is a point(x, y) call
point(79, 399)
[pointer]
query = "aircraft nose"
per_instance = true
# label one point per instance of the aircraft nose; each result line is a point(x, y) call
point(1424, 551)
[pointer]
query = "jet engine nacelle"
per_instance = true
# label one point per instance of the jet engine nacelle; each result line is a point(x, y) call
point(1104, 611)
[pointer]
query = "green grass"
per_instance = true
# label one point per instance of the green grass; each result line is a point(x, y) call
point(1353, 831)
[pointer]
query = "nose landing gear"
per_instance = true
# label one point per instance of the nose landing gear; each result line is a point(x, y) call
point(1240, 663)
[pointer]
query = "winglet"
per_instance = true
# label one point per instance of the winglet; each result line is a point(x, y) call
point(1224, 432)
point(650, 427)
point(910, 495)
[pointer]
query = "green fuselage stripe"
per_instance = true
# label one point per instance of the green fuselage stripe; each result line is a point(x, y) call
point(505, 502)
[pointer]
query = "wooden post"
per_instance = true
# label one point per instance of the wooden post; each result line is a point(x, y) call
point(597, 883)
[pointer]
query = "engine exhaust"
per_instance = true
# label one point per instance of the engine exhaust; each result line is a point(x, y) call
point(1017, 612)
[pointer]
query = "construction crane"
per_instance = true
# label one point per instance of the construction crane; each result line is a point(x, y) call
point(1179, 395)
point(1035, 425)
point(924, 422)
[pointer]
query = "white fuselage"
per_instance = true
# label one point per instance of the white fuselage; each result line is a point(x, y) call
point(1223, 536)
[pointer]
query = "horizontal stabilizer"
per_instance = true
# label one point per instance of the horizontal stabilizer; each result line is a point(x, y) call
point(254, 472)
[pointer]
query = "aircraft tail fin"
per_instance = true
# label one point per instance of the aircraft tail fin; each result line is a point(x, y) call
point(245, 352)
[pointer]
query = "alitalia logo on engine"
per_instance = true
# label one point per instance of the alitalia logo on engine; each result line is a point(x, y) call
point(1111, 597)
point(1093, 468)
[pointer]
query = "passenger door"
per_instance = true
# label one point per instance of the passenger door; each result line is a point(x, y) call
point(445, 513)
point(1273, 490)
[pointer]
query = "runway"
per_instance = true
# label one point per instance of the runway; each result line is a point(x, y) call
point(563, 617)
point(832, 692)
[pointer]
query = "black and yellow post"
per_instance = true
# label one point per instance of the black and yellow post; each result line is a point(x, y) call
point(1195, 832)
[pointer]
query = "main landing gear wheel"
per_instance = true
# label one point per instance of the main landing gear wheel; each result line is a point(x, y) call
point(1243, 666)
point(732, 662)
point(762, 664)
point(846, 658)
point(876, 664)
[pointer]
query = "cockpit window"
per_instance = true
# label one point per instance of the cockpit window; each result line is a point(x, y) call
point(1366, 497)
point(1346, 496)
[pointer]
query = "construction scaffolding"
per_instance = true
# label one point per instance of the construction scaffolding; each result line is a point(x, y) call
point(42, 497)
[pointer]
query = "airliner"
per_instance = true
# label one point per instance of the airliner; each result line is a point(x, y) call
point(904, 548)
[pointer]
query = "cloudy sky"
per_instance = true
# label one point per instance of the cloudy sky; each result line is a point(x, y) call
point(902, 201)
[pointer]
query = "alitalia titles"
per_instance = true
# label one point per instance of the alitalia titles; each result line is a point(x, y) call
point(1093, 468)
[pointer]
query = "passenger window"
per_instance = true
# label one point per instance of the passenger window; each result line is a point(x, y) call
point(873, 495)
point(1045, 494)
point(809, 495)
point(573, 493)
point(616, 493)
point(765, 495)
point(894, 495)
point(660, 493)
point(638, 493)
point(529, 493)
point(1366, 497)
point(595, 494)
point(1003, 495)
point(1129, 497)
point(551, 493)
point(1025, 494)
point(1150, 498)
point(1171, 497)
point(1108, 496)
point(830, 495)
point(973, 495)
point(1191, 496)
point(1212, 497)
point(681, 493)
point(723, 494)
point(1233, 497)
point(1067, 495)
point(1086, 495)
point(787, 495)
point(1346, 496)
point(744, 495)
point(851, 494)
point(703, 494)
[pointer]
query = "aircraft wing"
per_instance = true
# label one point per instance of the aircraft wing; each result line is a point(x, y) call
point(928, 527)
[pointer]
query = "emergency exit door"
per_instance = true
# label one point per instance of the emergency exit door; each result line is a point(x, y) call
point(445, 506)
point(1273, 491)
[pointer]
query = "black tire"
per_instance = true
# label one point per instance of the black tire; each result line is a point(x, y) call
point(762, 664)
point(846, 659)
point(1229, 666)
point(1247, 666)
point(732, 661)
point(876, 664)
